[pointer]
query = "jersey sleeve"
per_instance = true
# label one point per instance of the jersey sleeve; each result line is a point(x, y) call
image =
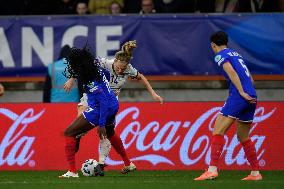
point(220, 60)
point(133, 72)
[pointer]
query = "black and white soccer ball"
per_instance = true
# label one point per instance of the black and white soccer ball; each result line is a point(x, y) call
point(89, 167)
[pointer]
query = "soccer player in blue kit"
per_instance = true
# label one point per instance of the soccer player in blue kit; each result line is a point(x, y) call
point(102, 108)
point(240, 106)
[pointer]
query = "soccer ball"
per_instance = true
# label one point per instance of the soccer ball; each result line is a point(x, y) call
point(89, 167)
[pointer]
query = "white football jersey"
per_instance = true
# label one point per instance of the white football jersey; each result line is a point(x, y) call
point(117, 81)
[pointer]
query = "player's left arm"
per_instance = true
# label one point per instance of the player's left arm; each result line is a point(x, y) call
point(143, 79)
point(228, 68)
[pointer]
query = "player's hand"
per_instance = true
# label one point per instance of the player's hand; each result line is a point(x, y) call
point(102, 133)
point(248, 98)
point(158, 98)
point(68, 85)
point(1, 89)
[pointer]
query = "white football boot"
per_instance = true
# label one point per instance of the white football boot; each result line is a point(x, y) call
point(129, 168)
point(69, 174)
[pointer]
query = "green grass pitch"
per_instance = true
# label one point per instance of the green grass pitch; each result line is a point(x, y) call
point(138, 180)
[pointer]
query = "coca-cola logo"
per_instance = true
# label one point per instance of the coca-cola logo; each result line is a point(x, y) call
point(189, 144)
point(16, 147)
point(177, 140)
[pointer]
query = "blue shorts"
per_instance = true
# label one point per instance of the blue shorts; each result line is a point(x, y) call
point(237, 107)
point(92, 115)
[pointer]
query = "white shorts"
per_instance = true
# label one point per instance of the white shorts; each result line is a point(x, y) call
point(84, 100)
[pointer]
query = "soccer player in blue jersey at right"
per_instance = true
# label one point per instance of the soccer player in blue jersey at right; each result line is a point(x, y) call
point(240, 106)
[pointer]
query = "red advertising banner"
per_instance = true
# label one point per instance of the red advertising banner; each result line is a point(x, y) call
point(172, 136)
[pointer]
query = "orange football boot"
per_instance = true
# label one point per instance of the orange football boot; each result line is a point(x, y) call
point(207, 175)
point(251, 177)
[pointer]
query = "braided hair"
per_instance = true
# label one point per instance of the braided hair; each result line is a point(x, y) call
point(125, 54)
point(81, 64)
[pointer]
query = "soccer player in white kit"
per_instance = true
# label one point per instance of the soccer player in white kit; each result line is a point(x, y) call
point(120, 71)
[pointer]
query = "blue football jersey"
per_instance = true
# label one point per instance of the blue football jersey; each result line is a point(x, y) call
point(101, 98)
point(238, 63)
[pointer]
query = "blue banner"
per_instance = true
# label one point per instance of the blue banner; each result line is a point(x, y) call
point(167, 44)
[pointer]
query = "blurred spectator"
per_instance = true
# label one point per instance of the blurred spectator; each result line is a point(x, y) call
point(132, 6)
point(148, 7)
point(82, 8)
point(115, 8)
point(1, 89)
point(54, 83)
point(174, 6)
point(101, 6)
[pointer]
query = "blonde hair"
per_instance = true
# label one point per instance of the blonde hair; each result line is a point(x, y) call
point(126, 51)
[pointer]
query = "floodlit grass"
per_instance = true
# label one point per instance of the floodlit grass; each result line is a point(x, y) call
point(137, 180)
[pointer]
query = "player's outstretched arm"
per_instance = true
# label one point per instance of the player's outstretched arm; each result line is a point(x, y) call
point(69, 84)
point(149, 88)
point(237, 82)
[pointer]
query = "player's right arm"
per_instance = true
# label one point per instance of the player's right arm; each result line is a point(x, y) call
point(134, 74)
point(228, 68)
point(155, 96)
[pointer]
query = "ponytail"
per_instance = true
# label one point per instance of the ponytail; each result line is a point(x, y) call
point(126, 51)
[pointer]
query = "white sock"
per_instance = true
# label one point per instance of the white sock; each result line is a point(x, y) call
point(212, 169)
point(254, 173)
point(104, 150)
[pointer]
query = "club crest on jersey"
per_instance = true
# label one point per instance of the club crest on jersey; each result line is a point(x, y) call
point(218, 58)
point(92, 87)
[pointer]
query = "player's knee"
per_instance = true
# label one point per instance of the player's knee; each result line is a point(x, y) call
point(239, 138)
point(69, 132)
point(242, 138)
point(219, 131)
